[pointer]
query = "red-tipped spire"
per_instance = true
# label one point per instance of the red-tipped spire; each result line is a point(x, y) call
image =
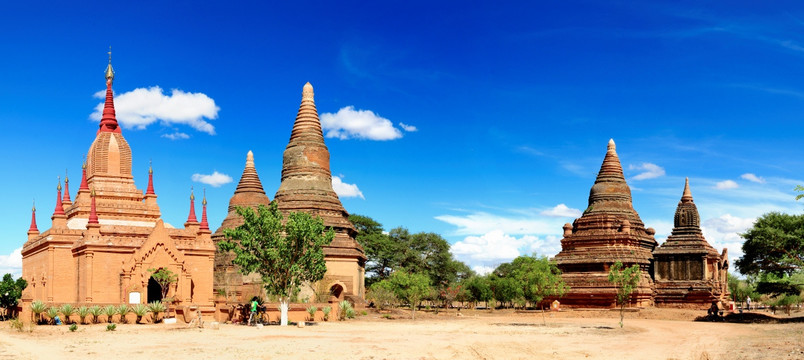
point(66, 198)
point(192, 218)
point(84, 185)
point(59, 208)
point(108, 120)
point(93, 215)
point(150, 190)
point(33, 227)
point(204, 223)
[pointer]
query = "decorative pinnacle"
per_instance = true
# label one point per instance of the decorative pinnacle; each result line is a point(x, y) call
point(687, 193)
point(611, 145)
point(92, 192)
point(66, 179)
point(58, 187)
point(307, 92)
point(34, 206)
point(250, 159)
point(109, 70)
point(204, 201)
point(150, 166)
point(192, 196)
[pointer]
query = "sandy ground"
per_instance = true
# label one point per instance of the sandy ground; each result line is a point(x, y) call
point(648, 334)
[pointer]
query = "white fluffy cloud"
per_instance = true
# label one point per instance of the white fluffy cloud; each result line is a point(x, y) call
point(141, 107)
point(648, 171)
point(724, 232)
point(215, 179)
point(408, 128)
point(483, 253)
point(726, 185)
point(176, 136)
point(359, 124)
point(346, 190)
point(481, 223)
point(753, 178)
point(12, 263)
point(562, 210)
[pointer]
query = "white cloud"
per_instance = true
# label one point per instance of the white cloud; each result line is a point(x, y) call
point(141, 107)
point(176, 136)
point(724, 232)
point(562, 210)
point(482, 270)
point(215, 179)
point(483, 253)
point(11, 263)
point(481, 223)
point(753, 178)
point(360, 124)
point(649, 171)
point(346, 190)
point(726, 184)
point(408, 128)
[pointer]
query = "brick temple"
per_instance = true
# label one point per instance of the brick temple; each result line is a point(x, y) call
point(99, 247)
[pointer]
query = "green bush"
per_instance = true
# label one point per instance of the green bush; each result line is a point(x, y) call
point(326, 310)
point(38, 307)
point(140, 310)
point(96, 311)
point(156, 308)
point(83, 312)
point(311, 310)
point(109, 311)
point(67, 310)
point(51, 313)
point(73, 327)
point(123, 310)
point(16, 324)
point(111, 327)
point(344, 310)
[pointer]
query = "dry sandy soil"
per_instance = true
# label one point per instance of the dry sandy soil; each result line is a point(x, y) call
point(648, 334)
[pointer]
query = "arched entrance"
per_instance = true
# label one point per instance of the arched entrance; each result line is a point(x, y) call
point(154, 290)
point(336, 293)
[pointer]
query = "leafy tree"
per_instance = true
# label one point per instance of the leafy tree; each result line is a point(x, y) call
point(800, 189)
point(286, 254)
point(506, 289)
point(775, 244)
point(539, 277)
point(164, 278)
point(382, 251)
point(624, 280)
point(739, 289)
point(410, 287)
point(382, 294)
point(479, 288)
point(11, 292)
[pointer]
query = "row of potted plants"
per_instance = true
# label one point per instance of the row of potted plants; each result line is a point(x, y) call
point(52, 313)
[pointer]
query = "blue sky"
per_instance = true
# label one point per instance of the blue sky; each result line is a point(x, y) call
point(483, 122)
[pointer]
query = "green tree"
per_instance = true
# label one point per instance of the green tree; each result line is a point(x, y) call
point(479, 288)
point(800, 189)
point(382, 252)
point(164, 278)
point(539, 277)
point(285, 253)
point(506, 289)
point(625, 281)
point(775, 244)
point(410, 287)
point(739, 289)
point(11, 292)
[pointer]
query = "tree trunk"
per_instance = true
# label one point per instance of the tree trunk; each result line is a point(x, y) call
point(544, 321)
point(283, 309)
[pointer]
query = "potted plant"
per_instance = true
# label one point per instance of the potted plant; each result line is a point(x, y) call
point(67, 310)
point(37, 308)
point(123, 310)
point(110, 311)
point(311, 310)
point(156, 308)
point(96, 312)
point(51, 313)
point(140, 310)
point(82, 312)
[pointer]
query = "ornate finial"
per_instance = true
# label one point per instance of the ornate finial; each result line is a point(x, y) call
point(150, 166)
point(611, 145)
point(250, 159)
point(58, 187)
point(192, 196)
point(687, 195)
point(66, 179)
point(92, 192)
point(34, 206)
point(109, 70)
point(307, 92)
point(204, 201)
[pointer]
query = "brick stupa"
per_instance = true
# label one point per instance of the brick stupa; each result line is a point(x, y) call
point(609, 230)
point(689, 272)
point(102, 243)
point(307, 186)
point(249, 193)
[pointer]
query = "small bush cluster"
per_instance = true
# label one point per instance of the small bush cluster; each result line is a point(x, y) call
point(111, 327)
point(345, 310)
point(16, 324)
point(73, 327)
point(326, 310)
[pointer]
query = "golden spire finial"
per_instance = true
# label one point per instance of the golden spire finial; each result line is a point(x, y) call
point(92, 192)
point(34, 206)
point(204, 202)
point(66, 179)
point(109, 70)
point(150, 166)
point(58, 187)
point(192, 196)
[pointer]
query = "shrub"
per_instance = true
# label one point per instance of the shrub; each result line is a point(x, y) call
point(73, 327)
point(16, 324)
point(96, 311)
point(52, 313)
point(38, 307)
point(67, 310)
point(344, 308)
point(311, 310)
point(140, 310)
point(156, 308)
point(386, 316)
point(364, 313)
point(123, 310)
point(109, 311)
point(382, 295)
point(83, 312)
point(326, 310)
point(111, 327)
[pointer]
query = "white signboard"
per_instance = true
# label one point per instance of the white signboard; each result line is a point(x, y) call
point(133, 298)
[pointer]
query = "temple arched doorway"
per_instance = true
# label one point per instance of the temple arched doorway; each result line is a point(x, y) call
point(336, 293)
point(154, 290)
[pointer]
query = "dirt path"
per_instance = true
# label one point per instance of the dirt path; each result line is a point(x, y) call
point(478, 336)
